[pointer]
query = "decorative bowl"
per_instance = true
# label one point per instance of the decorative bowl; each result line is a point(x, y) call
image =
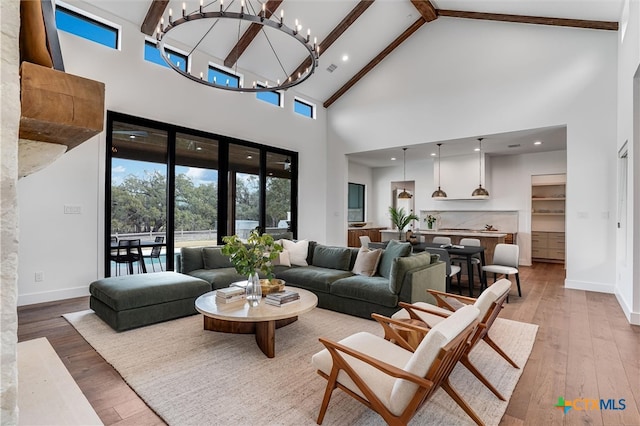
point(358, 224)
point(273, 285)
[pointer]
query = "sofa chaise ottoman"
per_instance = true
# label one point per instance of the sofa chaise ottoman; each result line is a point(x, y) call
point(132, 301)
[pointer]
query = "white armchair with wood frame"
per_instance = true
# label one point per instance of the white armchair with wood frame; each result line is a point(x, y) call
point(394, 379)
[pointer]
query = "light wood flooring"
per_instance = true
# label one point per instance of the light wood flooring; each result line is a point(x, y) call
point(585, 348)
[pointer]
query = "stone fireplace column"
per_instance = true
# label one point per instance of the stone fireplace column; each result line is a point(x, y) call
point(10, 115)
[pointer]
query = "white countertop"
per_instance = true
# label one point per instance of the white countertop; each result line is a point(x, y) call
point(461, 233)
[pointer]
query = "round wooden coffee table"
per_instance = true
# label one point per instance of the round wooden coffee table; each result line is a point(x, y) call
point(262, 320)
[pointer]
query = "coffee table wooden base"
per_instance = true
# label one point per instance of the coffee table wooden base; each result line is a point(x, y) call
point(265, 331)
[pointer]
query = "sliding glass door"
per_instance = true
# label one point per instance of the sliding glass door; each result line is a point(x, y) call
point(169, 187)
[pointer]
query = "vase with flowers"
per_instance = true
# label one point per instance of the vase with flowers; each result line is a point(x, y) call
point(430, 219)
point(250, 257)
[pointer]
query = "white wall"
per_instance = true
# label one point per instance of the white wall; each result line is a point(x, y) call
point(464, 78)
point(68, 248)
point(627, 278)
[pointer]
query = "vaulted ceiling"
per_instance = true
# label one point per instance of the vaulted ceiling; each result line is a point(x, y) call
point(365, 31)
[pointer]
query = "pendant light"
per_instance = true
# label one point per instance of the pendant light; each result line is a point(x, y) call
point(404, 195)
point(439, 193)
point(480, 192)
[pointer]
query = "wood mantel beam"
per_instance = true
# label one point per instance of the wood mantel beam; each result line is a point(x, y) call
point(348, 20)
point(248, 36)
point(156, 9)
point(523, 19)
point(375, 61)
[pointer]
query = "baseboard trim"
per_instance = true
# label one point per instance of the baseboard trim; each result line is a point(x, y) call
point(51, 296)
point(589, 286)
point(632, 317)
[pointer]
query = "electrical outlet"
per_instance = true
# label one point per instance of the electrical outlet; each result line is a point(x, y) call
point(39, 276)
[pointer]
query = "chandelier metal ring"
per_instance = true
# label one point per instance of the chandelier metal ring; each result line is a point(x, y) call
point(312, 51)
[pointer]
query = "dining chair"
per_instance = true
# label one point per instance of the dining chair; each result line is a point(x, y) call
point(441, 240)
point(128, 253)
point(505, 262)
point(155, 254)
point(364, 241)
point(394, 380)
point(451, 270)
point(489, 304)
point(475, 259)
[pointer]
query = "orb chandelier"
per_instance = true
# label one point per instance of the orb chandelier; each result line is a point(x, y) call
point(252, 13)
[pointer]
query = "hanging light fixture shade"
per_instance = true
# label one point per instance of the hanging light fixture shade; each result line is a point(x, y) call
point(480, 192)
point(439, 193)
point(404, 195)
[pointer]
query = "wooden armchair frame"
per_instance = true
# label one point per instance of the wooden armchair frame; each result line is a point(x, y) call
point(482, 332)
point(437, 376)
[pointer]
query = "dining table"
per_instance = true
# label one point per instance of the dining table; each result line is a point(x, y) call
point(468, 252)
point(143, 244)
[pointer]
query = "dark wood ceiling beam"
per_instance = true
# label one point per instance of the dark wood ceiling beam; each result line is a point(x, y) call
point(254, 29)
point(348, 20)
point(156, 9)
point(523, 19)
point(375, 61)
point(426, 9)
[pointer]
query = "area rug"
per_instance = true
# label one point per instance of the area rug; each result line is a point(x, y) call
point(190, 376)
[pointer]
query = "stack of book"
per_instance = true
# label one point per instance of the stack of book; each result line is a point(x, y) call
point(230, 294)
point(282, 298)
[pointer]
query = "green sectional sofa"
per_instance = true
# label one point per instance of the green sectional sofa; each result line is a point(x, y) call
point(400, 276)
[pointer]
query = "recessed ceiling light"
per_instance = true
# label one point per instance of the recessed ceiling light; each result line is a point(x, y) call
point(132, 136)
point(393, 158)
point(433, 154)
point(249, 157)
point(345, 57)
point(537, 143)
point(476, 149)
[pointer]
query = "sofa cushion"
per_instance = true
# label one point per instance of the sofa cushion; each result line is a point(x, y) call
point(219, 278)
point(402, 265)
point(368, 289)
point(394, 249)
point(191, 258)
point(298, 251)
point(311, 277)
point(332, 257)
point(214, 259)
point(367, 262)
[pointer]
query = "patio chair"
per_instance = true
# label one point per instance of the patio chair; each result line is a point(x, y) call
point(393, 380)
point(128, 253)
point(489, 304)
point(155, 254)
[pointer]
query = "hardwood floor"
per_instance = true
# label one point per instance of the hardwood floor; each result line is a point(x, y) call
point(584, 348)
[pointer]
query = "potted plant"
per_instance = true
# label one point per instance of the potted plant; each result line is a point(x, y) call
point(249, 258)
point(401, 219)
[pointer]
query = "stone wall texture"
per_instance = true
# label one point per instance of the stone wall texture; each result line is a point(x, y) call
point(10, 118)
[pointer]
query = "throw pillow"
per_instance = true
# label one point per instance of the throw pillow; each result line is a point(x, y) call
point(283, 259)
point(214, 259)
point(367, 262)
point(331, 257)
point(191, 259)
point(402, 265)
point(394, 249)
point(298, 251)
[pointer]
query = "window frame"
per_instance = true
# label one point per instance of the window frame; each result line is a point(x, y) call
point(276, 92)
point(171, 50)
point(92, 19)
point(311, 105)
point(224, 70)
